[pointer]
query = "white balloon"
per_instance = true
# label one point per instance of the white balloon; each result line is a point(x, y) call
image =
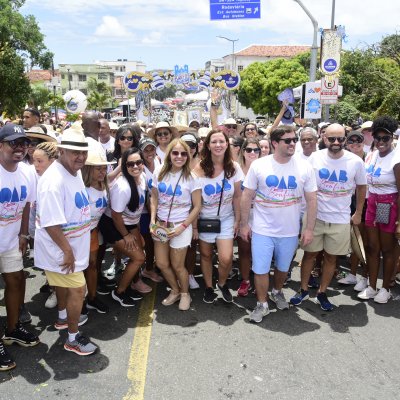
point(75, 101)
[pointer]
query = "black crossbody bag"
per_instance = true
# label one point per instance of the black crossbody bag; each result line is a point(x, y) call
point(211, 225)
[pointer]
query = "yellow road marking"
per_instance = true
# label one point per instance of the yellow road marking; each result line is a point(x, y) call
point(140, 347)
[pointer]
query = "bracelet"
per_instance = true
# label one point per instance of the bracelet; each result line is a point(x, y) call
point(184, 225)
point(27, 237)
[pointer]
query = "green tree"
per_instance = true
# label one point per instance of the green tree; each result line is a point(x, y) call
point(97, 101)
point(262, 82)
point(390, 47)
point(39, 96)
point(21, 44)
point(94, 85)
point(168, 91)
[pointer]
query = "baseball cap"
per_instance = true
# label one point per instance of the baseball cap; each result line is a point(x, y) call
point(12, 132)
point(366, 125)
point(146, 141)
point(355, 133)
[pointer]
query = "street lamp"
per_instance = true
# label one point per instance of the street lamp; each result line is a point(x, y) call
point(233, 49)
point(69, 80)
point(314, 48)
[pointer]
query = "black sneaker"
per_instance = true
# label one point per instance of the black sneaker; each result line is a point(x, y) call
point(226, 293)
point(98, 305)
point(134, 294)
point(24, 315)
point(20, 336)
point(6, 362)
point(103, 289)
point(123, 299)
point(107, 282)
point(209, 295)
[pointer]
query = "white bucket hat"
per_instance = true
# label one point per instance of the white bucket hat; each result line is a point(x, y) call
point(73, 139)
point(162, 124)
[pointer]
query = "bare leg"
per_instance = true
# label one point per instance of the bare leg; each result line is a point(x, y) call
point(14, 288)
point(388, 252)
point(327, 272)
point(161, 251)
point(75, 298)
point(244, 249)
point(177, 257)
point(206, 250)
point(307, 264)
point(373, 255)
point(225, 255)
point(261, 282)
point(91, 275)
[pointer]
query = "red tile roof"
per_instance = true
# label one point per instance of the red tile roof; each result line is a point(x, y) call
point(272, 51)
point(37, 75)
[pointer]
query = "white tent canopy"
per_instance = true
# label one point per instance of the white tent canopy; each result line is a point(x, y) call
point(132, 103)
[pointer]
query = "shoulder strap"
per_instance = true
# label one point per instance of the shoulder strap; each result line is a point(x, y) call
point(222, 191)
point(173, 196)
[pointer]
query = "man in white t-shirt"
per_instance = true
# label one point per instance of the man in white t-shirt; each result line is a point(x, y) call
point(62, 239)
point(308, 141)
point(105, 138)
point(277, 183)
point(338, 173)
point(17, 191)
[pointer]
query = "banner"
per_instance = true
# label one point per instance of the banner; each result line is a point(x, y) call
point(135, 81)
point(225, 79)
point(143, 107)
point(331, 46)
point(311, 100)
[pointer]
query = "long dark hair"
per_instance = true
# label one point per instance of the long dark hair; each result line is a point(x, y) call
point(206, 162)
point(133, 204)
point(121, 132)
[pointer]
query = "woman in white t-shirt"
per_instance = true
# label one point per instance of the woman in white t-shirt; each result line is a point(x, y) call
point(162, 134)
point(175, 204)
point(94, 175)
point(220, 179)
point(249, 152)
point(120, 223)
point(382, 217)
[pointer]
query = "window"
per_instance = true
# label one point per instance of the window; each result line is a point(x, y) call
point(82, 78)
point(240, 68)
point(119, 92)
point(102, 75)
point(84, 91)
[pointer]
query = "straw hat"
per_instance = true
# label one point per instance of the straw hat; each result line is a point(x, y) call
point(74, 139)
point(152, 132)
point(36, 132)
point(96, 158)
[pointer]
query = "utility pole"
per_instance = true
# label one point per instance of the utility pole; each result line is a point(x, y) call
point(327, 113)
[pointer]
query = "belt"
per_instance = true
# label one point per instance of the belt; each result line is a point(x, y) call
point(168, 224)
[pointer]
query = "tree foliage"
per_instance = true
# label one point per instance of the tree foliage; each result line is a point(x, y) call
point(99, 94)
point(262, 82)
point(21, 44)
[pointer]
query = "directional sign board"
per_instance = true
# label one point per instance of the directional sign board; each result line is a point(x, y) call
point(329, 90)
point(234, 9)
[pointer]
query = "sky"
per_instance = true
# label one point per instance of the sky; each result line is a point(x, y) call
point(164, 33)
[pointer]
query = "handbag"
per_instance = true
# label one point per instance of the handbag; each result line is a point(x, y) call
point(382, 215)
point(160, 231)
point(211, 225)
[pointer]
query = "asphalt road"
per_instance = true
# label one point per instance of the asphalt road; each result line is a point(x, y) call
point(213, 351)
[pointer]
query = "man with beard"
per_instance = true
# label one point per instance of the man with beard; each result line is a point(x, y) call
point(338, 173)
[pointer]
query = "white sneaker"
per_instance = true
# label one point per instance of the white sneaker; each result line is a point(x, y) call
point(193, 283)
point(51, 301)
point(349, 279)
point(361, 284)
point(383, 296)
point(367, 293)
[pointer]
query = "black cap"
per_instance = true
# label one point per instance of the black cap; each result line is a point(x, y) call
point(12, 132)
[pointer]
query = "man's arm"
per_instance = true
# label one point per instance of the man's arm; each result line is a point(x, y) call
point(23, 232)
point(308, 233)
point(245, 205)
point(58, 237)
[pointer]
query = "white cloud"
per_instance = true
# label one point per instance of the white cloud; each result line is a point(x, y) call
point(111, 27)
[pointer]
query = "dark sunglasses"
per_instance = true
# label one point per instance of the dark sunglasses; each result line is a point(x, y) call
point(383, 139)
point(177, 153)
point(332, 139)
point(191, 145)
point(231, 126)
point(163, 133)
point(252, 150)
point(235, 145)
point(18, 143)
point(355, 140)
point(128, 138)
point(131, 164)
point(289, 140)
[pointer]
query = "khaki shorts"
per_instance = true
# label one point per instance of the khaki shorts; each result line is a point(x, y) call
point(74, 280)
point(11, 261)
point(333, 238)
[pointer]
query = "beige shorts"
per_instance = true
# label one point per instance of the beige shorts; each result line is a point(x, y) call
point(11, 261)
point(333, 238)
point(74, 280)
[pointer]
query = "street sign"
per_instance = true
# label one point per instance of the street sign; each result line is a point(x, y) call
point(311, 100)
point(234, 9)
point(329, 90)
point(331, 46)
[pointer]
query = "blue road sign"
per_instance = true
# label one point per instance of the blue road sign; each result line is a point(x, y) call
point(234, 9)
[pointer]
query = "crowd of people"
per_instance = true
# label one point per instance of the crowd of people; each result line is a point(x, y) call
point(158, 195)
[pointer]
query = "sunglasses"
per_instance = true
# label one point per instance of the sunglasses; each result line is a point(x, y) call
point(289, 140)
point(191, 145)
point(132, 164)
point(128, 138)
point(163, 133)
point(18, 143)
point(252, 150)
point(355, 140)
point(231, 126)
point(383, 139)
point(332, 139)
point(177, 153)
point(234, 145)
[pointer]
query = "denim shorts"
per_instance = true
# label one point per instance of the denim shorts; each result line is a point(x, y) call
point(263, 248)
point(226, 231)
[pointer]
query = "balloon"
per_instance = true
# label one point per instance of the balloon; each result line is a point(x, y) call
point(75, 101)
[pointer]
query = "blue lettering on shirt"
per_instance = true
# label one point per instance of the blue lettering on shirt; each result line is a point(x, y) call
point(274, 181)
point(7, 196)
point(211, 189)
point(370, 171)
point(162, 187)
point(324, 173)
point(101, 202)
point(81, 200)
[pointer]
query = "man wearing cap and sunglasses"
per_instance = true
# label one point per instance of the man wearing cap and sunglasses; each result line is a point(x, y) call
point(62, 239)
point(17, 191)
point(338, 173)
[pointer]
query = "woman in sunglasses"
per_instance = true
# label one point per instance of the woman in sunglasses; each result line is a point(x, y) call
point(162, 134)
point(249, 152)
point(236, 144)
point(124, 140)
point(175, 204)
point(220, 179)
point(382, 217)
point(250, 130)
point(119, 224)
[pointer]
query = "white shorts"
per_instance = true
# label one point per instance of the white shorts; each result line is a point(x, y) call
point(181, 241)
point(226, 231)
point(11, 261)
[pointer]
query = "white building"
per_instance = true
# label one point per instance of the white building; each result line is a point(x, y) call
point(121, 66)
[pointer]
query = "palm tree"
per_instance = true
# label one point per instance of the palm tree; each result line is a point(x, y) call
point(99, 94)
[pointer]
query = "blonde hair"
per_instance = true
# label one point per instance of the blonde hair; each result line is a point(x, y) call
point(87, 174)
point(49, 148)
point(167, 166)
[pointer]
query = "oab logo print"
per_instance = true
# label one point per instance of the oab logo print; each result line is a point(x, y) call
point(166, 191)
point(279, 192)
point(213, 193)
point(333, 183)
point(12, 202)
point(82, 215)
